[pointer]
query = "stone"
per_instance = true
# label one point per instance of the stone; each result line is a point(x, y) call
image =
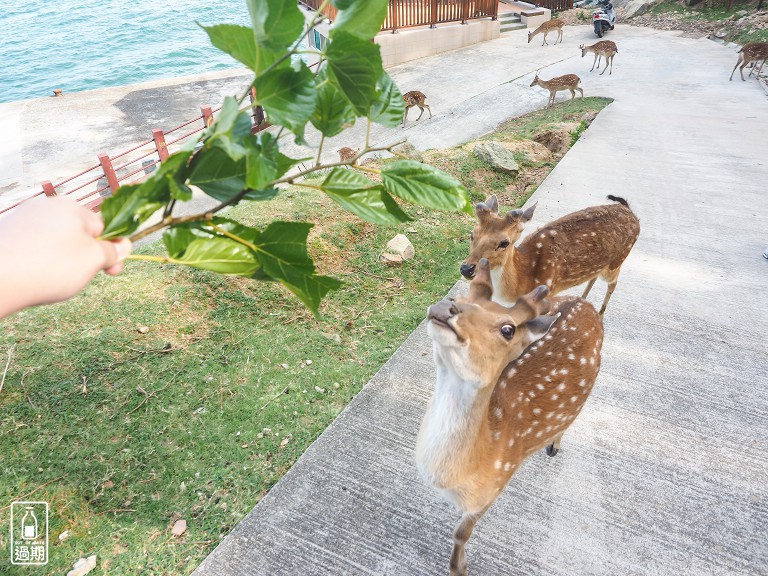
point(83, 566)
point(143, 329)
point(400, 246)
point(391, 259)
point(497, 156)
point(721, 33)
point(179, 527)
point(409, 150)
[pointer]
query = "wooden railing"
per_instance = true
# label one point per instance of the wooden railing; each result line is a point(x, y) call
point(412, 13)
point(554, 5)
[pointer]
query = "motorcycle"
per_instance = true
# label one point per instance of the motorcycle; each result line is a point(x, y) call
point(604, 18)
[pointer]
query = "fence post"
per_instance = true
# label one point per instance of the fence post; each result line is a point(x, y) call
point(162, 148)
point(393, 5)
point(433, 14)
point(207, 115)
point(48, 188)
point(464, 11)
point(109, 172)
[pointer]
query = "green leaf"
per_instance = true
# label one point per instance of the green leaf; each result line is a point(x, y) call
point(388, 108)
point(264, 161)
point(361, 18)
point(178, 190)
point(288, 96)
point(222, 255)
point(240, 43)
point(367, 199)
point(425, 185)
point(131, 205)
point(282, 250)
point(277, 24)
point(354, 66)
point(220, 177)
point(231, 130)
point(332, 113)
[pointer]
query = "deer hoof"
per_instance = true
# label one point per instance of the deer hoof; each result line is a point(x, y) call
point(551, 450)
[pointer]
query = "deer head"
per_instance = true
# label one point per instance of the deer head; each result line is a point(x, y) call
point(476, 338)
point(583, 50)
point(494, 236)
point(536, 79)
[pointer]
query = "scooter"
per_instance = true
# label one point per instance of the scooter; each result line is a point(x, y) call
point(604, 18)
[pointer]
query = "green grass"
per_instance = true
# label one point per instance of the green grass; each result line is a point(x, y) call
point(123, 432)
point(716, 13)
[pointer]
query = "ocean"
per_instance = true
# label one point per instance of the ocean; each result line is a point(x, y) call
point(80, 45)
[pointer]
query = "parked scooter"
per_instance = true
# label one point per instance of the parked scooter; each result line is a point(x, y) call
point(604, 18)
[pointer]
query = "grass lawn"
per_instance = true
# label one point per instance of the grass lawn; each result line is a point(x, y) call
point(123, 431)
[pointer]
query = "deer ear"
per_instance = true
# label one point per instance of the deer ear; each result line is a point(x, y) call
point(493, 203)
point(538, 327)
point(528, 214)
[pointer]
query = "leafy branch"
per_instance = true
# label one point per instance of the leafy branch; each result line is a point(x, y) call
point(231, 165)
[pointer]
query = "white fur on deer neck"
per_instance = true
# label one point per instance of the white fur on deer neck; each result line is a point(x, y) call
point(497, 275)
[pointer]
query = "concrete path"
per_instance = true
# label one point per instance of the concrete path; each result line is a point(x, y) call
point(664, 472)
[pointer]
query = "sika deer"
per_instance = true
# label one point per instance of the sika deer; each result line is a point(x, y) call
point(510, 381)
point(568, 82)
point(753, 52)
point(415, 98)
point(346, 154)
point(604, 48)
point(579, 247)
point(546, 28)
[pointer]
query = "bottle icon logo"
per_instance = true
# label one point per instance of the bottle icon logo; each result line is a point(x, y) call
point(29, 533)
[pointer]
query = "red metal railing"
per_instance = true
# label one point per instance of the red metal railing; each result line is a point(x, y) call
point(413, 13)
point(108, 177)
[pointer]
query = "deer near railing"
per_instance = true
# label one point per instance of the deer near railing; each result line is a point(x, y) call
point(510, 381)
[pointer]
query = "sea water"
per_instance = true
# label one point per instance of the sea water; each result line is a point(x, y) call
point(85, 44)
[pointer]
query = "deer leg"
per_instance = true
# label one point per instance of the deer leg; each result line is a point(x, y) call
point(741, 70)
point(734, 68)
point(560, 35)
point(554, 448)
point(580, 91)
point(428, 108)
point(422, 113)
point(612, 278)
point(405, 115)
point(589, 287)
point(545, 38)
point(461, 534)
point(573, 93)
point(606, 65)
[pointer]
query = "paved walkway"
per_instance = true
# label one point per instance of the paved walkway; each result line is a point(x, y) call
point(664, 472)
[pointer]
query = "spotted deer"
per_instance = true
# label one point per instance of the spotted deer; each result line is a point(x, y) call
point(753, 52)
point(604, 48)
point(568, 82)
point(346, 154)
point(510, 381)
point(579, 247)
point(546, 28)
point(415, 98)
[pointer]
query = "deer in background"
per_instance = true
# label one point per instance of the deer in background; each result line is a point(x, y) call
point(415, 98)
point(510, 381)
point(568, 82)
point(346, 154)
point(579, 247)
point(546, 28)
point(753, 52)
point(604, 48)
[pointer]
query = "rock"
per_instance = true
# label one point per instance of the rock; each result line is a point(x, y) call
point(400, 246)
point(83, 566)
point(408, 149)
point(308, 362)
point(391, 259)
point(64, 535)
point(319, 390)
point(497, 156)
point(721, 33)
point(637, 8)
point(556, 139)
point(741, 13)
point(179, 527)
point(143, 329)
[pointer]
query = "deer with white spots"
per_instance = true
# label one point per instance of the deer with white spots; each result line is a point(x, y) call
point(510, 381)
point(753, 52)
point(415, 98)
point(579, 247)
point(546, 28)
point(604, 48)
point(557, 84)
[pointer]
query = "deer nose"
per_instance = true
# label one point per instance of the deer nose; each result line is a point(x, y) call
point(468, 270)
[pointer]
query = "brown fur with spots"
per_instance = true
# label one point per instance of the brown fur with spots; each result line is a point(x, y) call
point(576, 248)
point(546, 28)
point(415, 98)
point(604, 48)
point(501, 397)
point(557, 84)
point(753, 52)
point(346, 154)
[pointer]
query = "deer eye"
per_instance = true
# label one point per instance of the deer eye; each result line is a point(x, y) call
point(503, 244)
point(508, 331)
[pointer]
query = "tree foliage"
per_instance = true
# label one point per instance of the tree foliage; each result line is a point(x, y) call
point(231, 165)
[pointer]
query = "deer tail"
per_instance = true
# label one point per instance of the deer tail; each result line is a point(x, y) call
point(618, 199)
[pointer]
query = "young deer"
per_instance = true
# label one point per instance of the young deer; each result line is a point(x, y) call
point(568, 82)
point(346, 154)
point(581, 246)
point(415, 98)
point(604, 48)
point(509, 382)
point(753, 52)
point(546, 28)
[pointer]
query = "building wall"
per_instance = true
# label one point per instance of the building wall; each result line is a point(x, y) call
point(410, 44)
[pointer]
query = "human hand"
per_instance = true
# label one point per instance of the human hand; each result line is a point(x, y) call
point(50, 251)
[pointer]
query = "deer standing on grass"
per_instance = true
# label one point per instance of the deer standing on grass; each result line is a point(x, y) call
point(579, 247)
point(415, 98)
point(753, 52)
point(546, 28)
point(568, 82)
point(510, 381)
point(346, 154)
point(604, 48)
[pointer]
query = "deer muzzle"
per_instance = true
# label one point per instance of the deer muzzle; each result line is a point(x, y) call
point(468, 270)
